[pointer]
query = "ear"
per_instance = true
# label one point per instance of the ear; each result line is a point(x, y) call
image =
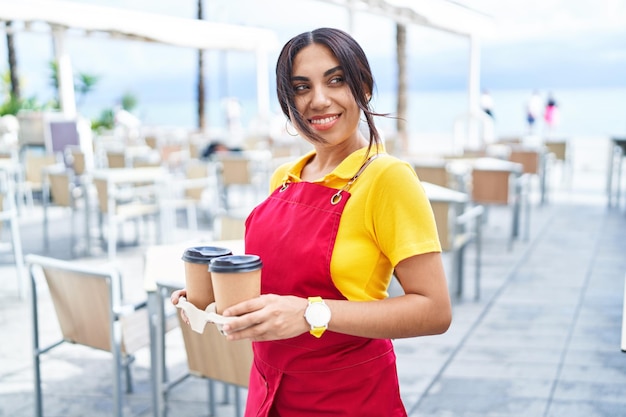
point(368, 93)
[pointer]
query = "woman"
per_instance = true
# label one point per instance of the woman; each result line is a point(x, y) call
point(339, 222)
point(551, 114)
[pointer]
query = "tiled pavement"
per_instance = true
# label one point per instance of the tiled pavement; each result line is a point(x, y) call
point(542, 341)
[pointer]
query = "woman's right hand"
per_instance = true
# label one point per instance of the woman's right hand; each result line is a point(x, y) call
point(174, 299)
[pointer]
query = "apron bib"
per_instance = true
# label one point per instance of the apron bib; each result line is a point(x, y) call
point(294, 232)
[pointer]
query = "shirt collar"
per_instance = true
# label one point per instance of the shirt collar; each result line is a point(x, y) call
point(345, 170)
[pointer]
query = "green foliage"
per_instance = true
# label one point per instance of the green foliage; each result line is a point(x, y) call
point(129, 101)
point(54, 75)
point(106, 121)
point(85, 83)
point(11, 104)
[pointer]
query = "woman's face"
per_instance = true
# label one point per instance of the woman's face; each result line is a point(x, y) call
point(322, 95)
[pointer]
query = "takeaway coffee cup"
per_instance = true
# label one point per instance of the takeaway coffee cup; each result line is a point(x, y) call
point(197, 276)
point(235, 278)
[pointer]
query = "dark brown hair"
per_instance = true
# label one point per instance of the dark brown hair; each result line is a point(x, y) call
point(356, 68)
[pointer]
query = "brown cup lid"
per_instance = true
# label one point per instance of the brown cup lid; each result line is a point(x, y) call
point(236, 263)
point(204, 254)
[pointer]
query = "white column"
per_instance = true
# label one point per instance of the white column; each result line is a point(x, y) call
point(474, 120)
point(67, 98)
point(351, 10)
point(263, 85)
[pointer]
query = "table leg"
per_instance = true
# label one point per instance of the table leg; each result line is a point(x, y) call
point(614, 174)
point(156, 351)
point(624, 320)
point(618, 191)
point(543, 166)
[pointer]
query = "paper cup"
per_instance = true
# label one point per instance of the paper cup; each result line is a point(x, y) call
point(235, 278)
point(197, 276)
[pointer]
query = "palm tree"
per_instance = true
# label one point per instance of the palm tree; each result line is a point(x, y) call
point(200, 91)
point(85, 83)
point(15, 83)
point(54, 82)
point(401, 109)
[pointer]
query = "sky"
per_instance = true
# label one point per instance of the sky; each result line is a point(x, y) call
point(542, 44)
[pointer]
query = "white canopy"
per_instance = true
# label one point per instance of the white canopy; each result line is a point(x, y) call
point(437, 14)
point(442, 15)
point(59, 17)
point(124, 23)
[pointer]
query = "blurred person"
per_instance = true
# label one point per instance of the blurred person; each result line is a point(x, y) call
point(486, 102)
point(233, 115)
point(340, 222)
point(551, 114)
point(216, 147)
point(534, 105)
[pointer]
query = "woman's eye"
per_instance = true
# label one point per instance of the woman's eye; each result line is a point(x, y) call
point(299, 88)
point(336, 80)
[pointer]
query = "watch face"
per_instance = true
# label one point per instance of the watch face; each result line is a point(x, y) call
point(317, 314)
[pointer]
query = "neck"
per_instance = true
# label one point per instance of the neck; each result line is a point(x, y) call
point(327, 158)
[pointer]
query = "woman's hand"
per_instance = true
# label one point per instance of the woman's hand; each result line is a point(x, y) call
point(174, 299)
point(268, 317)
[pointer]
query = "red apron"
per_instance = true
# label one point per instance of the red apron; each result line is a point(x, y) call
point(294, 232)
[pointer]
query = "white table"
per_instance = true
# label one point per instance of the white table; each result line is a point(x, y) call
point(617, 152)
point(156, 177)
point(442, 198)
point(163, 263)
point(497, 166)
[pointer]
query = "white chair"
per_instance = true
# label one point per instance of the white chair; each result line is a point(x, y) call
point(229, 226)
point(245, 172)
point(192, 193)
point(209, 356)
point(60, 190)
point(35, 164)
point(8, 214)
point(119, 205)
point(90, 312)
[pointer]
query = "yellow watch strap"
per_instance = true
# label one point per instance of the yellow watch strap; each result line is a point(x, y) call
point(316, 331)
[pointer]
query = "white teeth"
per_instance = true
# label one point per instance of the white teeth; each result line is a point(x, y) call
point(324, 120)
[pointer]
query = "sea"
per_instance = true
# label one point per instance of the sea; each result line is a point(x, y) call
point(588, 117)
point(584, 112)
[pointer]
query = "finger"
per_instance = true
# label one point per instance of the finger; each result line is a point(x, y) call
point(244, 307)
point(245, 325)
point(184, 316)
point(256, 332)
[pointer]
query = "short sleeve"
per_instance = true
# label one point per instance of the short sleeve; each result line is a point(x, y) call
point(403, 219)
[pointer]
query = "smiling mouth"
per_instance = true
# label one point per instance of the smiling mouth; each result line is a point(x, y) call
point(324, 123)
point(324, 120)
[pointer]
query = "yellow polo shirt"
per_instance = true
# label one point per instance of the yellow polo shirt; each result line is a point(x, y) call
point(388, 218)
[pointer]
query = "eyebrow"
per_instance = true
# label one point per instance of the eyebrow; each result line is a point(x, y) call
point(326, 74)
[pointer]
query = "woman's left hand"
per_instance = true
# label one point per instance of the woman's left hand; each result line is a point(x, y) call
point(268, 317)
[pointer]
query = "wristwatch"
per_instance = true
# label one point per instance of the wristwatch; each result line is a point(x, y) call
point(317, 314)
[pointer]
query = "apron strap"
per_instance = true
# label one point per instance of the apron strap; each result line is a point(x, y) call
point(336, 198)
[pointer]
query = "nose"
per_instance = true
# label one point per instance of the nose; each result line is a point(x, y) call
point(320, 98)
